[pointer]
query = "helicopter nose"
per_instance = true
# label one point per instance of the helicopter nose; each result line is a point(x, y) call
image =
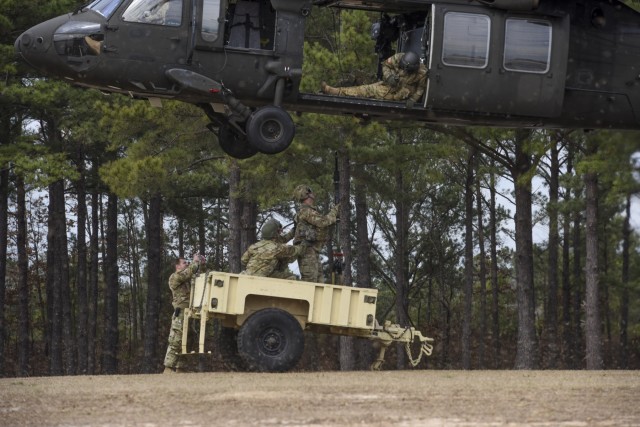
point(34, 46)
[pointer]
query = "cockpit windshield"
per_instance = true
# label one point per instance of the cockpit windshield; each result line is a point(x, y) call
point(105, 7)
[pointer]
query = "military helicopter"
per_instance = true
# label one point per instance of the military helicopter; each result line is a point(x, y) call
point(511, 63)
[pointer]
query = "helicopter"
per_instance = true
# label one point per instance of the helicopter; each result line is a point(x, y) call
point(507, 63)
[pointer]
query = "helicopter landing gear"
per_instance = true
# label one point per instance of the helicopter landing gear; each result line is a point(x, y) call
point(270, 130)
point(234, 144)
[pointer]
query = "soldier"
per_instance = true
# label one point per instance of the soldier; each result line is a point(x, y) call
point(312, 227)
point(270, 257)
point(179, 283)
point(404, 77)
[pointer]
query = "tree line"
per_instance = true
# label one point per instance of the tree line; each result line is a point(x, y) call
point(99, 194)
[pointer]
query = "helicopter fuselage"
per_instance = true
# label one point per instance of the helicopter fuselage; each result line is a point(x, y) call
point(518, 63)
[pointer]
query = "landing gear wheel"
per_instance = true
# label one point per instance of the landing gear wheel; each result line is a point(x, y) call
point(271, 340)
point(233, 144)
point(227, 344)
point(270, 130)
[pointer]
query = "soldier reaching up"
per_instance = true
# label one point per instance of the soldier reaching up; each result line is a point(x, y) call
point(311, 227)
point(270, 257)
point(180, 285)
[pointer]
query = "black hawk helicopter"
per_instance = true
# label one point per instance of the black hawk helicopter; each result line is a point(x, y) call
point(512, 63)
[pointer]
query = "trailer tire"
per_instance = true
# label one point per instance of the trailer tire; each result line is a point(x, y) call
point(271, 340)
point(227, 344)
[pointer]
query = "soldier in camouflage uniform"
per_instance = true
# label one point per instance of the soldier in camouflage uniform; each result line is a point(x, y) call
point(403, 78)
point(270, 257)
point(180, 285)
point(311, 227)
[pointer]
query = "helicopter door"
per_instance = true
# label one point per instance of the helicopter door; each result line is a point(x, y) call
point(490, 61)
point(148, 37)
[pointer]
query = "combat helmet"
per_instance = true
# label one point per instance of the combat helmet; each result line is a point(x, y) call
point(410, 62)
point(302, 193)
point(270, 229)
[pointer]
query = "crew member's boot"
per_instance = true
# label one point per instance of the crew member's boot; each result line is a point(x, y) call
point(168, 370)
point(330, 90)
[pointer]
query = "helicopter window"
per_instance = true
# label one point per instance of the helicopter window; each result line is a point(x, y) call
point(210, 15)
point(105, 7)
point(245, 25)
point(160, 12)
point(466, 40)
point(527, 46)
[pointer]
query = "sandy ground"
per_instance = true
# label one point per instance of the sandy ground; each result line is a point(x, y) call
point(401, 398)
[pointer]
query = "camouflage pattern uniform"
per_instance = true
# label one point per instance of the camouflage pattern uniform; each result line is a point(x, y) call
point(180, 285)
point(312, 227)
point(269, 258)
point(406, 85)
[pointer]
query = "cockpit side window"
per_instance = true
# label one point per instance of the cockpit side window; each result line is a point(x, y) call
point(210, 16)
point(527, 45)
point(105, 7)
point(466, 39)
point(158, 12)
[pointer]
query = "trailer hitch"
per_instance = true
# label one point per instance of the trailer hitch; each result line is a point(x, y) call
point(390, 333)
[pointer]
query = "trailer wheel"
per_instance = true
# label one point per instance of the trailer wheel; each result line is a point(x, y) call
point(271, 340)
point(227, 344)
point(270, 130)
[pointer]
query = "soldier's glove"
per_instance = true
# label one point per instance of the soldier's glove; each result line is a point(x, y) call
point(336, 210)
point(393, 80)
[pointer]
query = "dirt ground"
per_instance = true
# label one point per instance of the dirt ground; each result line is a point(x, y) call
point(402, 398)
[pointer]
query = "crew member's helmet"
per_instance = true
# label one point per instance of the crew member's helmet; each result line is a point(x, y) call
point(270, 229)
point(302, 193)
point(410, 62)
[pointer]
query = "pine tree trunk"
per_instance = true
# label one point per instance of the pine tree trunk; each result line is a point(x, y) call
point(92, 291)
point(624, 296)
point(576, 242)
point(468, 262)
point(154, 251)
point(551, 314)
point(567, 328)
point(4, 229)
point(365, 353)
point(110, 340)
point(23, 280)
point(347, 344)
point(54, 285)
point(482, 272)
point(593, 329)
point(527, 346)
point(495, 301)
point(81, 268)
point(401, 261)
point(235, 224)
point(248, 221)
point(61, 271)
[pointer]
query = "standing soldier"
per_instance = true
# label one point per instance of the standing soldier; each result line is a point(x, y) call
point(404, 77)
point(270, 257)
point(311, 227)
point(179, 283)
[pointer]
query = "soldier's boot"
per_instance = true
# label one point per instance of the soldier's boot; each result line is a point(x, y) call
point(168, 370)
point(330, 90)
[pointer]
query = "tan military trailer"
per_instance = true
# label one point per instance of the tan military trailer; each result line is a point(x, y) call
point(263, 319)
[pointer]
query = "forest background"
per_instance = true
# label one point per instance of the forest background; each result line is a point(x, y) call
point(99, 194)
